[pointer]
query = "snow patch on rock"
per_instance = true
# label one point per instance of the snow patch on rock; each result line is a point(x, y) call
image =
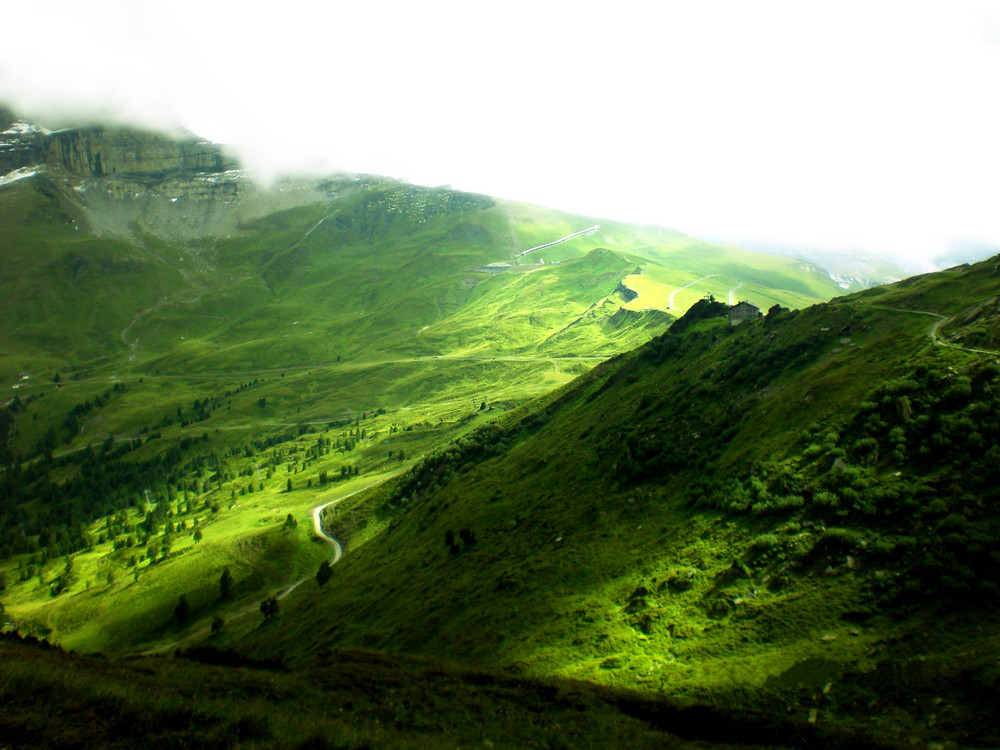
point(18, 174)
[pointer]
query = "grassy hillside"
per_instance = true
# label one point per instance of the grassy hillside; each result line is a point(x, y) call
point(194, 366)
point(378, 269)
point(169, 361)
point(795, 516)
point(67, 294)
point(775, 534)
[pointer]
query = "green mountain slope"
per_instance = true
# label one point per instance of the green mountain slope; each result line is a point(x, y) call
point(174, 332)
point(170, 272)
point(376, 259)
point(67, 293)
point(196, 362)
point(377, 271)
point(795, 513)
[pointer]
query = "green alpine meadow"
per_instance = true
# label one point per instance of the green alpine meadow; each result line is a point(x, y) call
point(347, 462)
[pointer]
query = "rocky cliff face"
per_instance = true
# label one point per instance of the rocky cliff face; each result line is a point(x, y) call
point(124, 180)
point(21, 145)
point(104, 152)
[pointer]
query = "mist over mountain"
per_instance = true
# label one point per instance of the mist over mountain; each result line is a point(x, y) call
point(965, 252)
point(851, 267)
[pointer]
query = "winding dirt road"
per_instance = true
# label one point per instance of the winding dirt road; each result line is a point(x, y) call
point(732, 294)
point(588, 230)
point(932, 331)
point(205, 627)
point(317, 519)
point(670, 303)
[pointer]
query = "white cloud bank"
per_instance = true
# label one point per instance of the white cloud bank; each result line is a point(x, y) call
point(841, 124)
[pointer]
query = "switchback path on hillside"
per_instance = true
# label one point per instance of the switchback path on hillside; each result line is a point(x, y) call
point(670, 303)
point(732, 294)
point(588, 230)
point(932, 332)
point(338, 552)
point(133, 346)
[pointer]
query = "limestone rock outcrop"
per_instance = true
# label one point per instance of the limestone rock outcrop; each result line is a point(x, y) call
point(126, 181)
point(100, 151)
point(104, 152)
point(21, 145)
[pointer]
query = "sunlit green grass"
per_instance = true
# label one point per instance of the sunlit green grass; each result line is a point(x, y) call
point(580, 570)
point(375, 300)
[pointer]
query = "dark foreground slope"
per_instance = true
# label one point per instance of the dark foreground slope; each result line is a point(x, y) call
point(796, 515)
point(356, 700)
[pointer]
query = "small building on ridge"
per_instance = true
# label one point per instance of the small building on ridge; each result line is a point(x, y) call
point(743, 311)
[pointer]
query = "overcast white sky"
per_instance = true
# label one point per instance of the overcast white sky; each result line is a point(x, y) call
point(864, 125)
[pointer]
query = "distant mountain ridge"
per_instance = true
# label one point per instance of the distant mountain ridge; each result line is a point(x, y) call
point(128, 177)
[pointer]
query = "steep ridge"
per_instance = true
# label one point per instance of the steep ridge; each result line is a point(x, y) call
point(795, 513)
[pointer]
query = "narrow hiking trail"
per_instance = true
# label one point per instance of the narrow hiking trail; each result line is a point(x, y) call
point(670, 303)
point(133, 346)
point(582, 232)
point(935, 327)
point(938, 341)
point(316, 225)
point(337, 553)
point(732, 294)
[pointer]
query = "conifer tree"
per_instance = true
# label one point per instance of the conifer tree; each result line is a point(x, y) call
point(324, 573)
point(183, 610)
point(225, 585)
